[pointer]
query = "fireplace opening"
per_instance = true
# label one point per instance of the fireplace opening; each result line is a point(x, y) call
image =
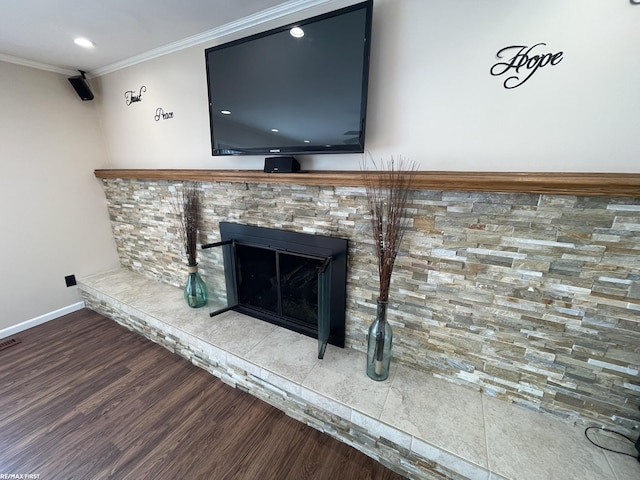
point(291, 279)
point(281, 283)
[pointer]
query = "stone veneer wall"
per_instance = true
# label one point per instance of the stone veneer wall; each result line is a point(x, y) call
point(531, 298)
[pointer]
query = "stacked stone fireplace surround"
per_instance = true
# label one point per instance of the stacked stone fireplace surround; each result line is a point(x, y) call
point(531, 298)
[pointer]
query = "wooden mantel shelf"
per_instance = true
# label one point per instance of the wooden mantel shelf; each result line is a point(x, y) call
point(589, 184)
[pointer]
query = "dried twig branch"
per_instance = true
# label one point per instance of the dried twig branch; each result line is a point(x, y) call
point(186, 206)
point(387, 187)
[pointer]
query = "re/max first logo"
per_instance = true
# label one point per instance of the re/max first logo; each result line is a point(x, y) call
point(19, 476)
point(523, 64)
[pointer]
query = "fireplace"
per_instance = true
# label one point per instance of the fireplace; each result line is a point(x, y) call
point(291, 279)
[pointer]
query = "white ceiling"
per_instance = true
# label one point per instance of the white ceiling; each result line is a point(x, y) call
point(40, 33)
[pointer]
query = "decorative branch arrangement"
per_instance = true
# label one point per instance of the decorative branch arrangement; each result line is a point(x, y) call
point(387, 188)
point(186, 206)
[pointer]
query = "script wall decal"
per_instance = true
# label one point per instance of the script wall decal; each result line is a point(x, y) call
point(524, 62)
point(131, 96)
point(162, 115)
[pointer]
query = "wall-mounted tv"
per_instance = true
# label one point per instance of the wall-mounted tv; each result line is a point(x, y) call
point(298, 89)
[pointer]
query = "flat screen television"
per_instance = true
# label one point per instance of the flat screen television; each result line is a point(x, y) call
point(297, 89)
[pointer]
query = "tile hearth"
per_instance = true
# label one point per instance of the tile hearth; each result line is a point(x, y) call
point(418, 425)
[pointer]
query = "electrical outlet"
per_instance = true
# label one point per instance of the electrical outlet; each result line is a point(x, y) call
point(70, 280)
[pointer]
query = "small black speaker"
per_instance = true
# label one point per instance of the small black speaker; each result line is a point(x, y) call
point(281, 165)
point(82, 88)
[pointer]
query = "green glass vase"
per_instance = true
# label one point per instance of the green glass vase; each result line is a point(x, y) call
point(195, 292)
point(379, 345)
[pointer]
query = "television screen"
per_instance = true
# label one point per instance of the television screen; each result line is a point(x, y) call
point(297, 89)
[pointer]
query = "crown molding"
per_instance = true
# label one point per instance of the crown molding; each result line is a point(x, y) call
point(37, 65)
point(288, 8)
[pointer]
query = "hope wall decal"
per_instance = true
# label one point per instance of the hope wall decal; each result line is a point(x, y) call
point(523, 64)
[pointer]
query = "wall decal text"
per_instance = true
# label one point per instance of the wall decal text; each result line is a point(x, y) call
point(162, 115)
point(523, 64)
point(131, 97)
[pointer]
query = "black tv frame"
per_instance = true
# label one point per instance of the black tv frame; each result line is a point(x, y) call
point(367, 5)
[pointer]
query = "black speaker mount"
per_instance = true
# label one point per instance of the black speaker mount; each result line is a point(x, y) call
point(81, 86)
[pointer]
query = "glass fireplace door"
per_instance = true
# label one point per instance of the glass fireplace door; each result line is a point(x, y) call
point(279, 286)
point(219, 261)
point(324, 302)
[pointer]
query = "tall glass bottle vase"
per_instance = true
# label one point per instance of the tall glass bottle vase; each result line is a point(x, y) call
point(195, 292)
point(379, 345)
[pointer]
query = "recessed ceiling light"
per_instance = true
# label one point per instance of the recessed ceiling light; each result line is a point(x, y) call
point(307, 141)
point(83, 42)
point(225, 112)
point(275, 130)
point(296, 32)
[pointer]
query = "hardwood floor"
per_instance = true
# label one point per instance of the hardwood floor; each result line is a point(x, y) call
point(83, 398)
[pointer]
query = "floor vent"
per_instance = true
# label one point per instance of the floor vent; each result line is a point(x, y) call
point(9, 342)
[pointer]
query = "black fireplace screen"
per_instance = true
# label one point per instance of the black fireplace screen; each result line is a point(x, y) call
point(291, 279)
point(279, 282)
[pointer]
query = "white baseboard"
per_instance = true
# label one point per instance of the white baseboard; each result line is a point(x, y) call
point(7, 332)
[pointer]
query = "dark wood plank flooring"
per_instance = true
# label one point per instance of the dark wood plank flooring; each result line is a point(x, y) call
point(83, 398)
